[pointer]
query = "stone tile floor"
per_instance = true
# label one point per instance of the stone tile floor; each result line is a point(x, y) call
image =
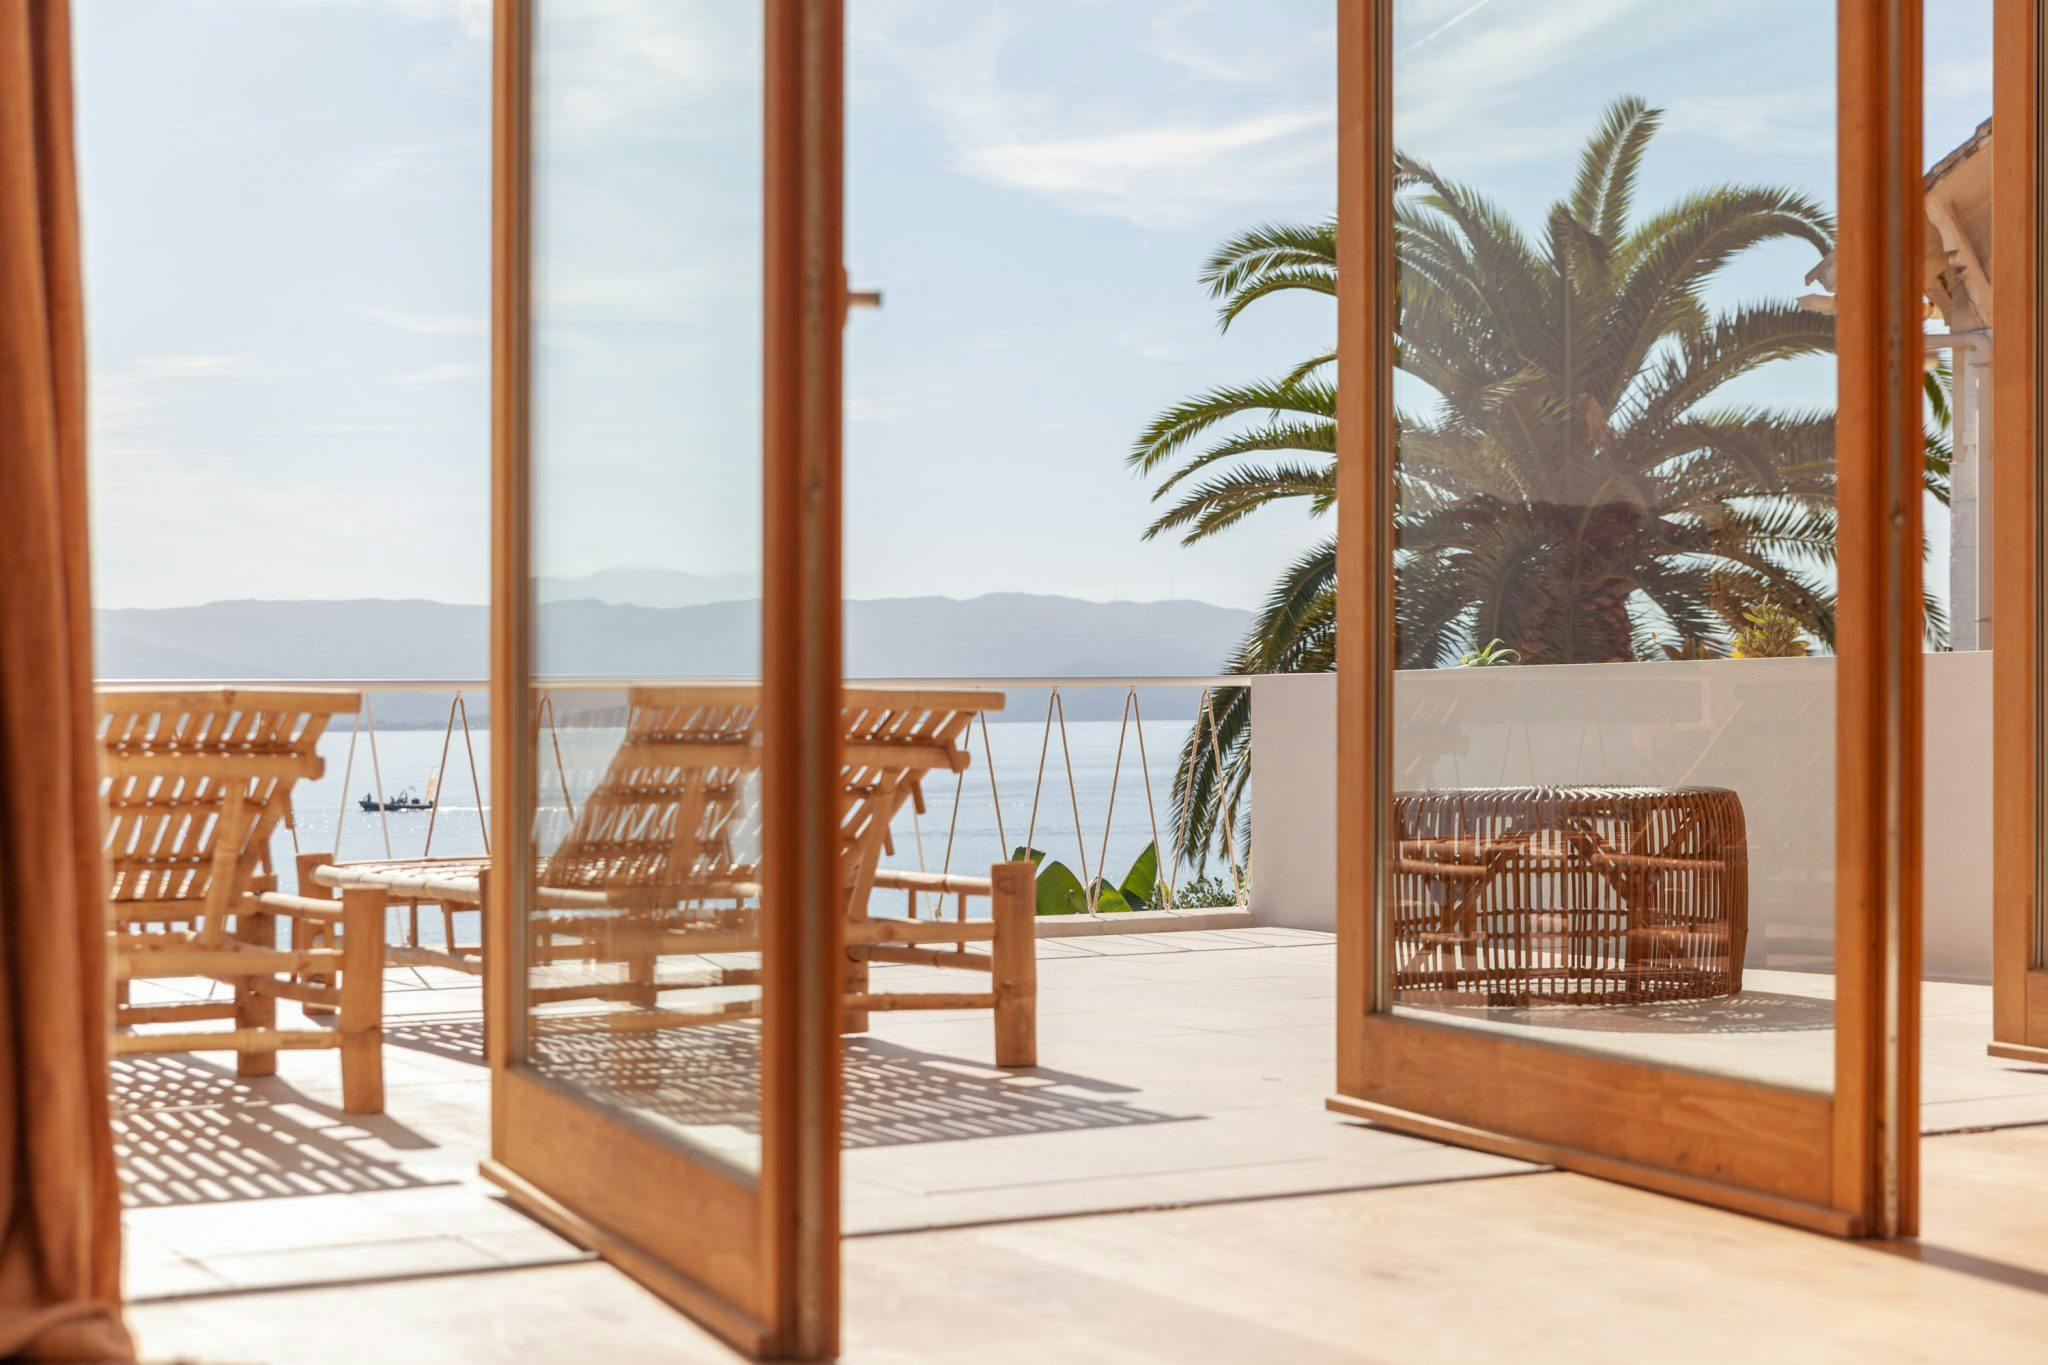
point(1177, 1069)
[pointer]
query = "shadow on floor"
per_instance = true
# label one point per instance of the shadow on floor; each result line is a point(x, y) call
point(460, 1040)
point(1742, 1012)
point(191, 1132)
point(708, 1076)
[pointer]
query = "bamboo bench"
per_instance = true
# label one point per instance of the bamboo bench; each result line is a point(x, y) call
point(1569, 895)
point(657, 863)
point(194, 781)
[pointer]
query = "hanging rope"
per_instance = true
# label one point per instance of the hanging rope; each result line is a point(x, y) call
point(1151, 807)
point(476, 786)
point(440, 775)
point(348, 767)
point(1037, 786)
point(1003, 850)
point(377, 773)
point(1055, 705)
point(1116, 773)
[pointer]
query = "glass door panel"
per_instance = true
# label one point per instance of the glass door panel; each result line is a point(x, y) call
point(657, 1091)
point(1614, 522)
point(1622, 558)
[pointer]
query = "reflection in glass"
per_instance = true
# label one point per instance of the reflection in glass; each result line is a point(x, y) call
point(643, 945)
point(1614, 534)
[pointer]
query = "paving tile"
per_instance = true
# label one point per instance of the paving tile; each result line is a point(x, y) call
point(366, 1260)
point(200, 1231)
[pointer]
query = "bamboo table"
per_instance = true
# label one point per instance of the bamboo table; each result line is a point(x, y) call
point(1569, 895)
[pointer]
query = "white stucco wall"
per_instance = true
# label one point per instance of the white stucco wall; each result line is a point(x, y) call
point(1763, 727)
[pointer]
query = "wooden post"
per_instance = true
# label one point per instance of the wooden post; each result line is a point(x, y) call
point(362, 1000)
point(309, 933)
point(1015, 910)
point(258, 928)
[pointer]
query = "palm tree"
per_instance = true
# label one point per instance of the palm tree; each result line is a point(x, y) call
point(1564, 480)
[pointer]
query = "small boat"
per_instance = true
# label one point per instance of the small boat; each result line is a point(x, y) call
point(408, 799)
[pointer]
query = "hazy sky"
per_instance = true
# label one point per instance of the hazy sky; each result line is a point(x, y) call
point(287, 227)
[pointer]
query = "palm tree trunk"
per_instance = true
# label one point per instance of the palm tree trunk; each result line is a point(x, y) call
point(1589, 626)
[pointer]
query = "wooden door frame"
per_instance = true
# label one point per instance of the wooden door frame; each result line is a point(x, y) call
point(2019, 861)
point(1846, 1162)
point(755, 1260)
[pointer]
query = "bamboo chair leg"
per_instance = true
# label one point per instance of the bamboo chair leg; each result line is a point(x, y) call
point(309, 934)
point(362, 1001)
point(856, 979)
point(252, 1011)
point(1015, 949)
point(641, 956)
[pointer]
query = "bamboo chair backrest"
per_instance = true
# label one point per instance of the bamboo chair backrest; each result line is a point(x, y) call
point(194, 781)
point(892, 738)
point(672, 813)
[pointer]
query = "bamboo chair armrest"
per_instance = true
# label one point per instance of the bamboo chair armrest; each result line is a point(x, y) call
point(946, 882)
point(297, 907)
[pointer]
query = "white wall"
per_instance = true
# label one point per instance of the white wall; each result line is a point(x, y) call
point(1764, 727)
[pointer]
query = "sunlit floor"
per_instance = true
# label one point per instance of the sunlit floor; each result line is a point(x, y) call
point(1178, 1070)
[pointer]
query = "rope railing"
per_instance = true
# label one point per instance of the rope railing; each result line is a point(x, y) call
point(1131, 727)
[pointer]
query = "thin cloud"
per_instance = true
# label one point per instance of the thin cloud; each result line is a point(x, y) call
point(173, 367)
point(1172, 175)
point(471, 17)
point(1162, 138)
point(431, 324)
point(366, 175)
point(452, 372)
point(1447, 25)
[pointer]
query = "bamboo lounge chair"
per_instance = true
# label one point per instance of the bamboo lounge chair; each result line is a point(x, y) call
point(195, 780)
point(656, 864)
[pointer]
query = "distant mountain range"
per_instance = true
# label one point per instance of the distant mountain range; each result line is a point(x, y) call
point(643, 587)
point(998, 635)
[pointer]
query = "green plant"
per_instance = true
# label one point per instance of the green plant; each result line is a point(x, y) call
point(1769, 632)
point(1571, 488)
point(1060, 892)
point(1206, 892)
point(1492, 654)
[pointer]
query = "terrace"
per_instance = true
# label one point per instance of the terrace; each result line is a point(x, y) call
point(1184, 1056)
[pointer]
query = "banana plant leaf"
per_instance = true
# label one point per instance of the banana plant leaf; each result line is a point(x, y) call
point(1109, 900)
point(1060, 892)
point(1140, 889)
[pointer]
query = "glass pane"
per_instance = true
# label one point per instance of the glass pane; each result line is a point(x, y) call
point(642, 939)
point(1958, 1079)
point(1614, 708)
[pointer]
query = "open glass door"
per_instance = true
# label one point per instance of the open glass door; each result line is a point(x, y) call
point(1630, 478)
point(663, 939)
point(2019, 700)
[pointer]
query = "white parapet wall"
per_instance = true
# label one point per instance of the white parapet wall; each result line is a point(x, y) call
point(1763, 727)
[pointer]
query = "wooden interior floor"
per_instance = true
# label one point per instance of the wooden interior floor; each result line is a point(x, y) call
point(1538, 1267)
